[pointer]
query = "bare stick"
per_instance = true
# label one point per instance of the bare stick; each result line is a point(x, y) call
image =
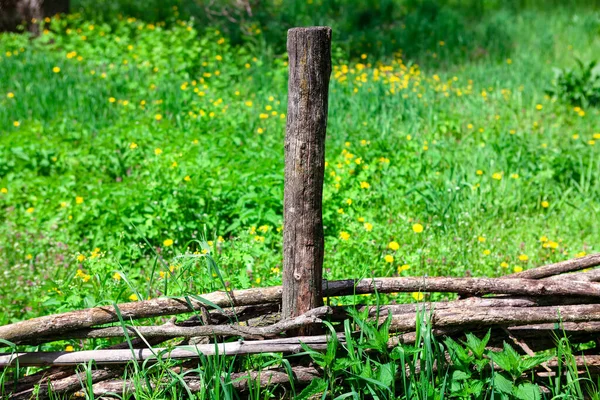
point(240, 381)
point(102, 357)
point(309, 51)
point(312, 317)
point(470, 317)
point(60, 323)
point(545, 271)
point(590, 276)
point(473, 286)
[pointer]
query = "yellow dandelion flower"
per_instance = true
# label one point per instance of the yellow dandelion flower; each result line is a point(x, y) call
point(418, 296)
point(10, 95)
point(504, 265)
point(394, 245)
point(111, 99)
point(344, 235)
point(158, 151)
point(403, 268)
point(497, 176)
point(30, 210)
point(365, 185)
point(481, 239)
point(158, 117)
point(539, 107)
point(389, 259)
point(4, 190)
point(368, 227)
point(133, 297)
point(80, 258)
point(523, 257)
point(187, 178)
point(168, 242)
point(479, 172)
point(133, 145)
point(545, 204)
point(487, 252)
point(116, 276)
point(518, 269)
point(79, 200)
point(16, 124)
point(56, 70)
point(417, 228)
point(69, 348)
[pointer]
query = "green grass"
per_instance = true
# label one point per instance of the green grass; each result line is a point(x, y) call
point(157, 142)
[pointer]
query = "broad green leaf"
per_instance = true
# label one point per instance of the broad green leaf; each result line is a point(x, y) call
point(315, 387)
point(527, 391)
point(503, 384)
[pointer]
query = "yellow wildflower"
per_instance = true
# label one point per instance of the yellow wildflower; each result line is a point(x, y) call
point(418, 296)
point(133, 297)
point(389, 259)
point(344, 235)
point(168, 242)
point(417, 228)
point(394, 245)
point(523, 257)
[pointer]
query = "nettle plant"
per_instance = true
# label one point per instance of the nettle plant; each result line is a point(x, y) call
point(579, 87)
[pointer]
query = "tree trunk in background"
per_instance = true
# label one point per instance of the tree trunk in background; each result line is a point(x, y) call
point(29, 13)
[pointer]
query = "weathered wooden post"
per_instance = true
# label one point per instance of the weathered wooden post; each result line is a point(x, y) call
point(309, 52)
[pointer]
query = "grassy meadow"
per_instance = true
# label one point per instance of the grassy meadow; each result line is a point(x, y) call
point(135, 143)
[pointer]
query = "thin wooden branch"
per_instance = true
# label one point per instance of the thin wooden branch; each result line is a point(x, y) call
point(65, 385)
point(576, 264)
point(473, 286)
point(170, 330)
point(241, 381)
point(506, 316)
point(103, 357)
point(80, 319)
point(589, 276)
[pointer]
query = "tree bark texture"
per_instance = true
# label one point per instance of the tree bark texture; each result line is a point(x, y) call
point(309, 51)
point(29, 13)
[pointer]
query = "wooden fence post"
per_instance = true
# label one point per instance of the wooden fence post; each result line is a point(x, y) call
point(309, 52)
